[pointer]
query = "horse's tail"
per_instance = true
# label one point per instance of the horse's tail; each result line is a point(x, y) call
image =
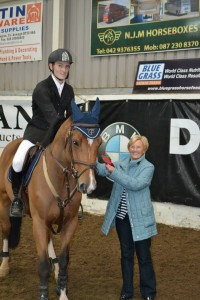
point(15, 232)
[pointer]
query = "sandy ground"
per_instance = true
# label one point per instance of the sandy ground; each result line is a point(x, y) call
point(94, 269)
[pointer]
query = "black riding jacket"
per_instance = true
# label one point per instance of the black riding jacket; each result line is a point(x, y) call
point(47, 105)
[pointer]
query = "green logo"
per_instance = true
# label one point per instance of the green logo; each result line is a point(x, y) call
point(109, 36)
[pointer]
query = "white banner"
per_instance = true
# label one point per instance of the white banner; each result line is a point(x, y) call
point(21, 32)
point(14, 116)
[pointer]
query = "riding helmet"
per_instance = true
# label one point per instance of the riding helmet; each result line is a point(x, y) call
point(60, 55)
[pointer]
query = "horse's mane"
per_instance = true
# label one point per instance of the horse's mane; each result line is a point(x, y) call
point(51, 133)
point(54, 127)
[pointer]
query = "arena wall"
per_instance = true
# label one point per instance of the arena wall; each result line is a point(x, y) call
point(166, 213)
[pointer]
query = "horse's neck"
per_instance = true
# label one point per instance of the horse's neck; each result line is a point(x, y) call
point(59, 147)
point(60, 154)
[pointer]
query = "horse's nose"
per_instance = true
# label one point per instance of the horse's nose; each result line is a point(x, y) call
point(83, 188)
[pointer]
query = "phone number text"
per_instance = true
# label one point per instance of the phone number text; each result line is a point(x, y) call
point(148, 47)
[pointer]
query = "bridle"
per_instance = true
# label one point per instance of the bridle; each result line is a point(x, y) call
point(73, 161)
point(67, 172)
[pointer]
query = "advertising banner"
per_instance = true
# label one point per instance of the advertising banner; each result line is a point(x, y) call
point(173, 131)
point(14, 116)
point(130, 26)
point(171, 126)
point(13, 119)
point(21, 31)
point(181, 75)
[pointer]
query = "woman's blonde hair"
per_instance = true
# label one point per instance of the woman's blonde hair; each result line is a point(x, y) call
point(142, 138)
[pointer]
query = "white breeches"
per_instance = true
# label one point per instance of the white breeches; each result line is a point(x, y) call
point(20, 155)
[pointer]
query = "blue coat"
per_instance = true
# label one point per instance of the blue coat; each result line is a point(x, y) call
point(135, 176)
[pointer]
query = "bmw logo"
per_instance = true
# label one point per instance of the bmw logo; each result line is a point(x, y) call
point(115, 138)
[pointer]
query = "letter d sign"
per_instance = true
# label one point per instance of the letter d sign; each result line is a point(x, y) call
point(193, 143)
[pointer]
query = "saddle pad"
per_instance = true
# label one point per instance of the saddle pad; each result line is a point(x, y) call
point(30, 168)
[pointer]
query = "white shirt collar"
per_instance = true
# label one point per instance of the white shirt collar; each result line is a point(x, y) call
point(58, 84)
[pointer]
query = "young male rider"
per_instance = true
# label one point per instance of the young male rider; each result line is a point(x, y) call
point(51, 102)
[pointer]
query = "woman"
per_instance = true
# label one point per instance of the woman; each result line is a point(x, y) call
point(130, 209)
point(51, 103)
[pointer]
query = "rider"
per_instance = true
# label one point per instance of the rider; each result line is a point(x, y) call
point(51, 103)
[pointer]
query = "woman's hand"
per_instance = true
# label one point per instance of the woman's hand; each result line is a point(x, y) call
point(109, 168)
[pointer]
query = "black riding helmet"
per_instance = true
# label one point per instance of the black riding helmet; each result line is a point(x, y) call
point(60, 55)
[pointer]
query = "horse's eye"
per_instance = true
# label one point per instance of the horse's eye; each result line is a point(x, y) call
point(76, 143)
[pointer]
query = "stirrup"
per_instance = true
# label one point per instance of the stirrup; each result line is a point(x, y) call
point(17, 208)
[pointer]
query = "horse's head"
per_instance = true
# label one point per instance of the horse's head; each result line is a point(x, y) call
point(84, 141)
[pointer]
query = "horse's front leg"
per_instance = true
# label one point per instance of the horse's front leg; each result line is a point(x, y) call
point(6, 229)
point(62, 288)
point(41, 236)
point(66, 236)
point(4, 268)
point(53, 259)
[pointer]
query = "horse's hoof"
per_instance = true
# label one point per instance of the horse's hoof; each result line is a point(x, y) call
point(43, 297)
point(43, 292)
point(4, 272)
point(63, 295)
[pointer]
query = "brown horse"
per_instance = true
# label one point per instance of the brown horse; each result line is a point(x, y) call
point(52, 198)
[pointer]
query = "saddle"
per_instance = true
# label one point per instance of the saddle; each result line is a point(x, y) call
point(31, 159)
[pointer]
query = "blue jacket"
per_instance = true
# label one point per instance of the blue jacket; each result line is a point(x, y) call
point(135, 176)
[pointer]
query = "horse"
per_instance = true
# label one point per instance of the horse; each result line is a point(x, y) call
point(64, 171)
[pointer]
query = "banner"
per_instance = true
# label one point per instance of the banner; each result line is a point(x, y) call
point(21, 32)
point(172, 128)
point(130, 27)
point(181, 75)
point(14, 116)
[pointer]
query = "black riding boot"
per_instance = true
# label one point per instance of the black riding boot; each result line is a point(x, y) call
point(17, 205)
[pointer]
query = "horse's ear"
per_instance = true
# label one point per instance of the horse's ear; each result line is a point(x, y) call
point(96, 109)
point(82, 119)
point(76, 112)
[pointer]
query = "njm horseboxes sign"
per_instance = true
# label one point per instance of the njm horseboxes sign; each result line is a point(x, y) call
point(131, 27)
point(21, 31)
point(181, 75)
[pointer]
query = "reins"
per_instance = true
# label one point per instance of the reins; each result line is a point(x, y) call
point(62, 203)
